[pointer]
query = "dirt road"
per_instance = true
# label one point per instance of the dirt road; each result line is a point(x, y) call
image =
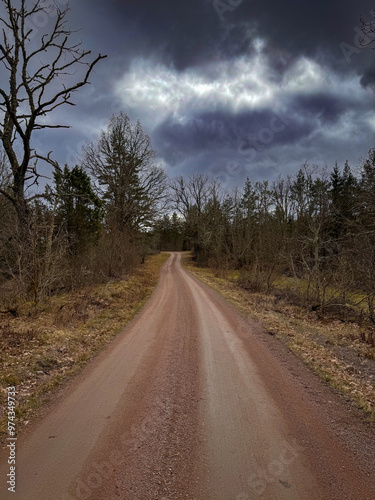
point(193, 402)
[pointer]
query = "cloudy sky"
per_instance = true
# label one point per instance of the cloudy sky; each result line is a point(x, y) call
point(232, 88)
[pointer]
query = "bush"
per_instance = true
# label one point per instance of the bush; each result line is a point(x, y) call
point(255, 282)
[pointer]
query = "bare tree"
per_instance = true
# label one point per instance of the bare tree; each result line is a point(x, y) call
point(198, 201)
point(43, 73)
point(193, 193)
point(5, 175)
point(368, 30)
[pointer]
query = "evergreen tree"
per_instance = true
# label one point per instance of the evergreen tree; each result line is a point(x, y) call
point(79, 208)
point(132, 187)
point(367, 188)
point(169, 233)
point(343, 194)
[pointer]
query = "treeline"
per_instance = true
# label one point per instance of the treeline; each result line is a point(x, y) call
point(311, 236)
point(97, 220)
point(93, 223)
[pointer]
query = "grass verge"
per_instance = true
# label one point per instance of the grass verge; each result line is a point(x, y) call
point(47, 344)
point(333, 349)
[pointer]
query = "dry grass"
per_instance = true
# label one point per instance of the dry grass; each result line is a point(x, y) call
point(43, 346)
point(334, 350)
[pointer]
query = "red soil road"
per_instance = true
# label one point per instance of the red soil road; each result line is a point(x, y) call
point(193, 402)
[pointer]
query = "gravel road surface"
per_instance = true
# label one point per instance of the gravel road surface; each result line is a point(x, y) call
point(192, 401)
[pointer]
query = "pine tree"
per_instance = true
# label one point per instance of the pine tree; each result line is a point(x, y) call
point(79, 208)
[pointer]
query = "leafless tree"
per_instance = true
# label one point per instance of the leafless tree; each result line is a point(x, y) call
point(42, 74)
point(192, 193)
point(4, 171)
point(198, 200)
point(368, 30)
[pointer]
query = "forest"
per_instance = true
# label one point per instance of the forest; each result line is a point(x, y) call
point(309, 237)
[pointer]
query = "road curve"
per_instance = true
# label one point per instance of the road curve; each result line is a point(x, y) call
point(193, 402)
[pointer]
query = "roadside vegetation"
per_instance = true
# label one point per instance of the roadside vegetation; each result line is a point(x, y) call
point(72, 252)
point(298, 255)
point(308, 238)
point(47, 344)
point(335, 350)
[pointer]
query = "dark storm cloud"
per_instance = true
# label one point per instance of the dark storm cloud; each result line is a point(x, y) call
point(178, 33)
point(186, 34)
point(368, 78)
point(221, 129)
point(327, 107)
point(195, 46)
point(263, 143)
point(279, 61)
point(220, 139)
point(199, 132)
